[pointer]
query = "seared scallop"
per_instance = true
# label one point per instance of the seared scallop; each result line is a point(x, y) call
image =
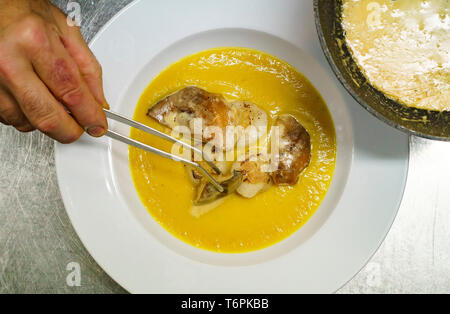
point(182, 107)
point(294, 150)
point(252, 121)
point(255, 178)
point(190, 103)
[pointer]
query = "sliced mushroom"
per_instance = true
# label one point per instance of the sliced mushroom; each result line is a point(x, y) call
point(206, 193)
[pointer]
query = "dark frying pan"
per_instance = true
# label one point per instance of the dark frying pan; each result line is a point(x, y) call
point(425, 123)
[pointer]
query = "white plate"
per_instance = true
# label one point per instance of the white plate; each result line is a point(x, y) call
point(140, 255)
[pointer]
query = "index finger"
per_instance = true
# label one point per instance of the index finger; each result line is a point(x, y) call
point(42, 109)
point(62, 76)
point(78, 49)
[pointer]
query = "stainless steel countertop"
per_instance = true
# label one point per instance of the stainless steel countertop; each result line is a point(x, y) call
point(37, 241)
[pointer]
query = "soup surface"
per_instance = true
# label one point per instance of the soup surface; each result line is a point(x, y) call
point(403, 48)
point(236, 224)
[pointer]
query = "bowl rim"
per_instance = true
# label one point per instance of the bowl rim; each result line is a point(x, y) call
point(350, 90)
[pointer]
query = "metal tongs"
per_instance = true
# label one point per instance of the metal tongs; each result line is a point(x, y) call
point(124, 139)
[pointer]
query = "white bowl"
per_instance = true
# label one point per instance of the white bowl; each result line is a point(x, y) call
point(104, 207)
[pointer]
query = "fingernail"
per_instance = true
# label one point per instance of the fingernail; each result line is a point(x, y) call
point(106, 105)
point(96, 131)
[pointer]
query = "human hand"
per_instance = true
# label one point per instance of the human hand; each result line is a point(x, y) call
point(46, 70)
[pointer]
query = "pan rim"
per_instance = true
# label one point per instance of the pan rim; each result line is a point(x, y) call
point(355, 96)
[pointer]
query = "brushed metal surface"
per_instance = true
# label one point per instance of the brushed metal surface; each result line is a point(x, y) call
point(37, 241)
